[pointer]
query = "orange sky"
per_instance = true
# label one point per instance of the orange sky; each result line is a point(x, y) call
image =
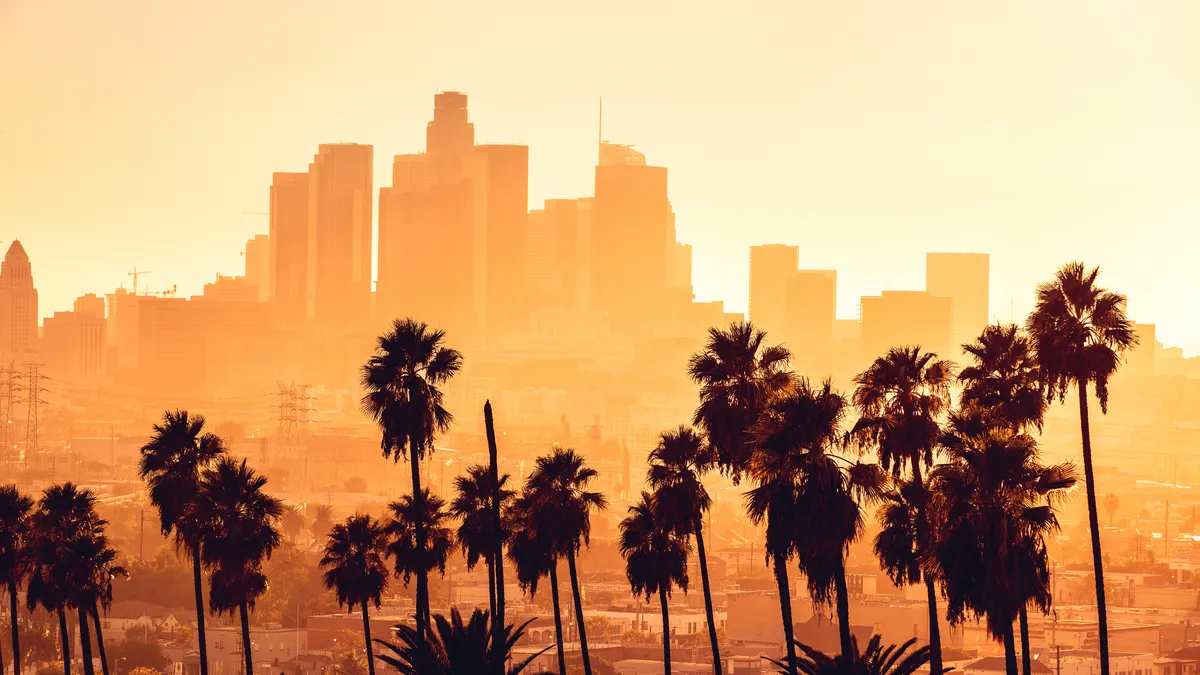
point(138, 133)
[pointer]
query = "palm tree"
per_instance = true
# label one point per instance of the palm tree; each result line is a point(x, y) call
point(1004, 379)
point(676, 467)
point(171, 464)
point(239, 525)
point(455, 648)
point(355, 568)
point(62, 528)
point(655, 560)
point(402, 381)
point(532, 554)
point(420, 538)
point(1079, 333)
point(14, 539)
point(874, 660)
point(796, 438)
point(106, 570)
point(901, 399)
point(562, 507)
point(737, 373)
point(497, 572)
point(322, 521)
point(472, 506)
point(991, 507)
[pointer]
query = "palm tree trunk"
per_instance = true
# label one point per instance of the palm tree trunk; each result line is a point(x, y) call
point(100, 640)
point(1, 661)
point(662, 600)
point(497, 524)
point(1093, 524)
point(935, 631)
point(1010, 652)
point(558, 632)
point(16, 631)
point(708, 605)
point(491, 570)
point(246, 639)
point(85, 643)
point(367, 635)
point(198, 582)
point(1026, 658)
point(843, 610)
point(583, 649)
point(785, 608)
point(66, 641)
point(422, 575)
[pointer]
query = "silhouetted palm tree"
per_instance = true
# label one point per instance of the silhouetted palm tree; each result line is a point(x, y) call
point(737, 372)
point(454, 648)
point(676, 467)
point(322, 521)
point(992, 513)
point(655, 561)
point(14, 539)
point(1079, 332)
point(874, 660)
point(239, 525)
point(420, 539)
point(532, 554)
point(63, 526)
point(402, 381)
point(98, 569)
point(797, 438)
point(901, 400)
point(497, 503)
point(562, 507)
point(472, 506)
point(355, 569)
point(171, 464)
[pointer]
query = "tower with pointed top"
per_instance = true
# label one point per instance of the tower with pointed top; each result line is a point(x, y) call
point(18, 303)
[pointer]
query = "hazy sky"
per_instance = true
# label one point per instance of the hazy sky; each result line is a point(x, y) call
point(140, 133)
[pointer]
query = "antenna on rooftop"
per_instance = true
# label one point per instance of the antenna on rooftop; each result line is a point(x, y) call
point(600, 134)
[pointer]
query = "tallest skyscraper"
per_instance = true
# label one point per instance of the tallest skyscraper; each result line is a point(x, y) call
point(18, 303)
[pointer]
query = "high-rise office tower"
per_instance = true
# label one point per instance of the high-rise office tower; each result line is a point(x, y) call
point(404, 231)
point(288, 243)
point(90, 304)
point(449, 137)
point(906, 318)
point(558, 254)
point(500, 179)
point(771, 266)
point(810, 309)
point(258, 265)
point(962, 277)
point(633, 234)
point(18, 303)
point(339, 236)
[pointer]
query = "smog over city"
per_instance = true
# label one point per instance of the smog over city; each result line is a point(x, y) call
point(621, 338)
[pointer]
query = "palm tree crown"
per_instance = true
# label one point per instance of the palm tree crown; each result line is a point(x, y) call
point(559, 484)
point(425, 514)
point(1004, 377)
point(171, 464)
point(14, 534)
point(655, 556)
point(353, 561)
point(472, 506)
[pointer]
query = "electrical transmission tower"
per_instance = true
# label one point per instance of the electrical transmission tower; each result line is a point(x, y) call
point(292, 431)
point(10, 385)
point(33, 398)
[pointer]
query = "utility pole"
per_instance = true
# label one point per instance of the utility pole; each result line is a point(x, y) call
point(141, 532)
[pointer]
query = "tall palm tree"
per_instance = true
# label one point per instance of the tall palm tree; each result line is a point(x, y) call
point(497, 525)
point(239, 525)
point(14, 539)
point(562, 506)
point(532, 554)
point(1079, 332)
point(991, 507)
point(420, 539)
point(171, 463)
point(64, 523)
point(901, 400)
point(677, 464)
point(472, 506)
point(105, 570)
point(1004, 379)
point(797, 439)
point(737, 373)
point(355, 569)
point(402, 381)
point(655, 561)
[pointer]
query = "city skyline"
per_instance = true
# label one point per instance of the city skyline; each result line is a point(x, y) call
point(1113, 151)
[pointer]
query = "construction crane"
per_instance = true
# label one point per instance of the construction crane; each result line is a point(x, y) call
point(135, 274)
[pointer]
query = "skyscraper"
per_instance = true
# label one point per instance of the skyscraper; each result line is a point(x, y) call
point(449, 137)
point(18, 303)
point(404, 231)
point(258, 265)
point(557, 254)
point(810, 309)
point(906, 318)
point(632, 237)
point(288, 243)
point(962, 277)
point(771, 266)
point(500, 179)
point(339, 236)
